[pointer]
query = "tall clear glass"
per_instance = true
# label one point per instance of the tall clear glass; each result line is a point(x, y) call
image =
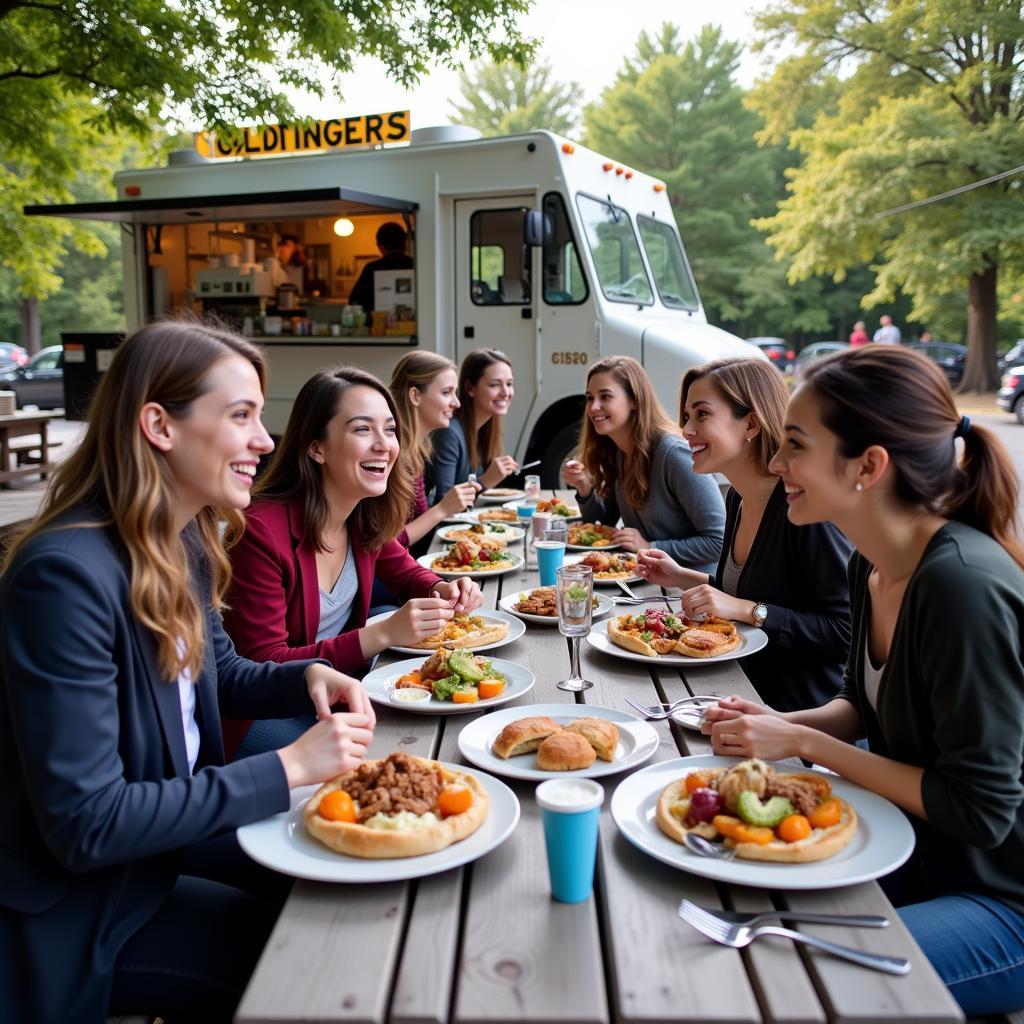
point(574, 588)
point(531, 485)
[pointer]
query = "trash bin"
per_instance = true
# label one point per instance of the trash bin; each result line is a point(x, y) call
point(87, 354)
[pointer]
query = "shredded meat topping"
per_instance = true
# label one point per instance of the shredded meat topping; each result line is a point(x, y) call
point(393, 785)
point(799, 792)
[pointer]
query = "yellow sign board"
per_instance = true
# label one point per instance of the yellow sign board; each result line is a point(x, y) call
point(311, 137)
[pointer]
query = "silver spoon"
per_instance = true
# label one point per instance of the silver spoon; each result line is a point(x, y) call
point(704, 848)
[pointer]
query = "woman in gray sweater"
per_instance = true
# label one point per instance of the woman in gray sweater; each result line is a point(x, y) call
point(935, 679)
point(634, 464)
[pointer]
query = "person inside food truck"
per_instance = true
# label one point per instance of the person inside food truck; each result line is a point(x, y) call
point(391, 241)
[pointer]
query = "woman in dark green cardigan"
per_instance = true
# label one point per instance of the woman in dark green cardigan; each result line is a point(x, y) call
point(935, 679)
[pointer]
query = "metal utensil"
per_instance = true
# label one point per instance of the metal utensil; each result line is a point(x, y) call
point(740, 935)
point(530, 465)
point(664, 710)
point(629, 593)
point(705, 848)
point(626, 600)
point(735, 917)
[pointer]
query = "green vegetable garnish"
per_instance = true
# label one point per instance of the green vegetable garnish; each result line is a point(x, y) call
point(647, 636)
point(767, 815)
point(444, 688)
point(577, 592)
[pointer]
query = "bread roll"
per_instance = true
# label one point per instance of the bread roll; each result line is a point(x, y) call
point(523, 736)
point(565, 751)
point(601, 734)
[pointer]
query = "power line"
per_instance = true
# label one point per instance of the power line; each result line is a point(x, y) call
point(951, 192)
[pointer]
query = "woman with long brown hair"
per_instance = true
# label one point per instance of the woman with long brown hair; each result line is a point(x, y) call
point(322, 526)
point(935, 681)
point(473, 444)
point(425, 387)
point(634, 464)
point(788, 580)
point(113, 664)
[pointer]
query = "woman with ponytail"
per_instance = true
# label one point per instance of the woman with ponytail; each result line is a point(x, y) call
point(122, 888)
point(935, 680)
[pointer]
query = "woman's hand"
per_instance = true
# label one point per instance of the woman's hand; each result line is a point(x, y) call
point(576, 476)
point(328, 687)
point(459, 498)
point(630, 539)
point(334, 745)
point(414, 621)
point(463, 595)
point(770, 737)
point(658, 567)
point(501, 467)
point(706, 600)
point(729, 708)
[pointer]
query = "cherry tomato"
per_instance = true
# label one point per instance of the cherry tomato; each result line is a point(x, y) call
point(726, 824)
point(793, 829)
point(465, 696)
point(489, 688)
point(752, 834)
point(337, 806)
point(695, 780)
point(826, 814)
point(454, 800)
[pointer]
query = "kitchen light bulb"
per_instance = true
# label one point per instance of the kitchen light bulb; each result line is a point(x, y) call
point(343, 227)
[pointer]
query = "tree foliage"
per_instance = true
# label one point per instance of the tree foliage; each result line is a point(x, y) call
point(931, 98)
point(505, 99)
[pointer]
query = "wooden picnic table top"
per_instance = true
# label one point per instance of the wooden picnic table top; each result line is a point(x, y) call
point(487, 943)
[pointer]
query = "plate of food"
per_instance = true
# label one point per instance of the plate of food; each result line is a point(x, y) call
point(469, 814)
point(552, 506)
point(543, 741)
point(790, 830)
point(479, 631)
point(608, 568)
point(447, 683)
point(539, 605)
point(491, 534)
point(656, 634)
point(591, 536)
point(494, 515)
point(467, 558)
point(497, 495)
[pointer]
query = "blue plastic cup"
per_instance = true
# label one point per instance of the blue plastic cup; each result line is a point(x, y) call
point(570, 810)
point(550, 555)
point(526, 511)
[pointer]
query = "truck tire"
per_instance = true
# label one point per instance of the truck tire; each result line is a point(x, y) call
point(562, 445)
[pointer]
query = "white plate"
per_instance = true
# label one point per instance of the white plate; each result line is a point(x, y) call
point(593, 547)
point(507, 604)
point(378, 685)
point(510, 533)
point(513, 506)
point(497, 495)
point(637, 742)
point(753, 640)
point(883, 841)
point(283, 844)
point(516, 629)
point(427, 561)
point(575, 559)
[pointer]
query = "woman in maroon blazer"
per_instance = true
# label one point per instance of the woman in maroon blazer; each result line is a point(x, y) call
point(323, 523)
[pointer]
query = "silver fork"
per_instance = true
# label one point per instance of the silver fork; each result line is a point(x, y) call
point(735, 917)
point(663, 710)
point(629, 593)
point(740, 935)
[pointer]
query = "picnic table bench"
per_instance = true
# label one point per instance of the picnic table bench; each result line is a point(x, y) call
point(486, 943)
point(21, 434)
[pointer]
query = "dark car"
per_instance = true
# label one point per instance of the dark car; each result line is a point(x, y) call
point(951, 357)
point(818, 350)
point(40, 382)
point(1014, 357)
point(778, 350)
point(1011, 391)
point(11, 353)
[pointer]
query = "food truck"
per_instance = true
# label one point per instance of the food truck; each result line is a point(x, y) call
point(531, 244)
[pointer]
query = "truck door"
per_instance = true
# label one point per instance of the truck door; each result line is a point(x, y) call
point(496, 296)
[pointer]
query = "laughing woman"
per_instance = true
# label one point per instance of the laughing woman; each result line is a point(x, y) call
point(323, 524)
point(935, 679)
point(634, 464)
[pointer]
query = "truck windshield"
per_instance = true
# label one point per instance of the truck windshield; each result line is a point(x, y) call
point(668, 264)
point(616, 252)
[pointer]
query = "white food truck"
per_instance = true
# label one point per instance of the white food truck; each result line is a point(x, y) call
point(531, 244)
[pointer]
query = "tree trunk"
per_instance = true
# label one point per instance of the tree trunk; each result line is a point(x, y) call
point(31, 334)
point(980, 372)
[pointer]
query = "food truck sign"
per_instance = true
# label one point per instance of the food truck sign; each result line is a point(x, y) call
point(306, 136)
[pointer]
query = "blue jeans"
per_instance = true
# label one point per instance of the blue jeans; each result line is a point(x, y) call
point(273, 734)
point(976, 944)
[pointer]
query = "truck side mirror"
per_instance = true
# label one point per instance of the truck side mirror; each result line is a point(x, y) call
point(534, 225)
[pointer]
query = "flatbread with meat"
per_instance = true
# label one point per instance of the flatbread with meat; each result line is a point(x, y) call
point(655, 632)
point(466, 632)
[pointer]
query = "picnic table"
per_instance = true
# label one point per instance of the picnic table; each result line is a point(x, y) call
point(486, 943)
point(22, 424)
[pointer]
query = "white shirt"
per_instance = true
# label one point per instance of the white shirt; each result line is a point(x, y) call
point(872, 675)
point(888, 335)
point(187, 697)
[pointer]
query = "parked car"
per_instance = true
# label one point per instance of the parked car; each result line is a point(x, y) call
point(1014, 357)
point(816, 351)
point(1011, 391)
point(951, 357)
point(39, 382)
point(778, 350)
point(11, 353)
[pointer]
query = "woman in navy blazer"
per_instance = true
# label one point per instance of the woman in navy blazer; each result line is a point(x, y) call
point(112, 665)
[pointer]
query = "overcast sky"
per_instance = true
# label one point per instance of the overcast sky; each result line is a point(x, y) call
point(584, 40)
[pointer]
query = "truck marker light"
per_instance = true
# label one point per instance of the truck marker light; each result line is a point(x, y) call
point(607, 167)
point(132, 190)
point(568, 148)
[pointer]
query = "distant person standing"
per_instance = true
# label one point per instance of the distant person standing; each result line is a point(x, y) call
point(859, 335)
point(888, 333)
point(391, 241)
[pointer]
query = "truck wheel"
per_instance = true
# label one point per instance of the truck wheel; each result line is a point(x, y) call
point(562, 445)
point(1018, 409)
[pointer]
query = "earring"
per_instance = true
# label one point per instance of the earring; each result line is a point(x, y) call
point(749, 439)
point(858, 486)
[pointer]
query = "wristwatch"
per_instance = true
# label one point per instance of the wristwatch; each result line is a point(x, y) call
point(760, 614)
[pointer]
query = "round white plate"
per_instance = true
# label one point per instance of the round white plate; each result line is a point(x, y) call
point(513, 506)
point(883, 841)
point(496, 495)
point(753, 640)
point(379, 683)
point(507, 604)
point(460, 517)
point(637, 742)
point(283, 844)
point(516, 629)
point(510, 533)
point(574, 559)
point(593, 547)
point(427, 561)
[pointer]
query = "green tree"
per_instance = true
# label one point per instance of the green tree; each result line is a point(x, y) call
point(931, 99)
point(505, 99)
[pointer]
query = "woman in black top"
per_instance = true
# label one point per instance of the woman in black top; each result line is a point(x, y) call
point(936, 673)
point(790, 581)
